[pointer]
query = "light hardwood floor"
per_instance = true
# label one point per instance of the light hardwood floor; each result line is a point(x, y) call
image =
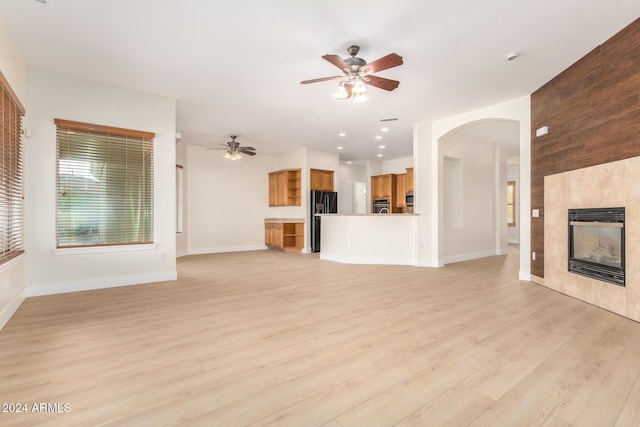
point(270, 338)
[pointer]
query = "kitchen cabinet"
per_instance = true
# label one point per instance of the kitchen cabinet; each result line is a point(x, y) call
point(401, 191)
point(383, 186)
point(409, 181)
point(321, 180)
point(283, 234)
point(285, 188)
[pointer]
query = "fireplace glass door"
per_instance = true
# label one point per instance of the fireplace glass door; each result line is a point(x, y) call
point(596, 244)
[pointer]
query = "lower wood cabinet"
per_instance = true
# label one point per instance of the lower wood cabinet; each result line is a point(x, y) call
point(283, 235)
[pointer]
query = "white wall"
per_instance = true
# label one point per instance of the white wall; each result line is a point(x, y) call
point(473, 234)
point(12, 274)
point(427, 180)
point(52, 96)
point(228, 201)
point(349, 175)
point(397, 166)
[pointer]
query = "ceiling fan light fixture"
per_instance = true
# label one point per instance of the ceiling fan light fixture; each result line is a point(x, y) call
point(232, 156)
point(360, 97)
point(341, 92)
point(359, 87)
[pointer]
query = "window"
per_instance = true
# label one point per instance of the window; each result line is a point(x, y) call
point(11, 111)
point(179, 193)
point(104, 185)
point(511, 204)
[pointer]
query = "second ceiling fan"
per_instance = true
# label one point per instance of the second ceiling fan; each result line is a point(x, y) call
point(357, 73)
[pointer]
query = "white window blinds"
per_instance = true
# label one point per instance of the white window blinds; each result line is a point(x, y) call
point(104, 185)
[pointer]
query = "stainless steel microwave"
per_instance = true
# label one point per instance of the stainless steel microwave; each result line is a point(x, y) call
point(408, 199)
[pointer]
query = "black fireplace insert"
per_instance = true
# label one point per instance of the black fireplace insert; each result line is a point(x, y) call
point(596, 244)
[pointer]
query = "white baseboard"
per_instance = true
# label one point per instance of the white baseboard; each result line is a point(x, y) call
point(470, 256)
point(222, 249)
point(503, 251)
point(432, 263)
point(11, 308)
point(99, 283)
point(182, 253)
point(377, 261)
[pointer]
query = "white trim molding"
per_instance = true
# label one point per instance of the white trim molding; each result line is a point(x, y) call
point(10, 309)
point(223, 249)
point(104, 249)
point(470, 256)
point(100, 283)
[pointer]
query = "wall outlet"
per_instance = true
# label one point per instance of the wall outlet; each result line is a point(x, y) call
point(533, 256)
point(535, 213)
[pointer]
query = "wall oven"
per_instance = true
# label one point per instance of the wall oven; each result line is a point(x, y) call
point(381, 206)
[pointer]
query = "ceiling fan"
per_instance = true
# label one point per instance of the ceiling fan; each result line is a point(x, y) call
point(233, 149)
point(357, 74)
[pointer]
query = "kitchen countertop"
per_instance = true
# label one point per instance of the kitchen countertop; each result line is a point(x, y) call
point(370, 214)
point(283, 220)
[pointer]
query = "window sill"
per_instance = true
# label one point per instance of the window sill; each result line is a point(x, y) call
point(104, 249)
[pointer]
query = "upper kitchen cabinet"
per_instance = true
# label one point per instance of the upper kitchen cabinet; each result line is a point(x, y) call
point(383, 186)
point(285, 188)
point(409, 181)
point(321, 180)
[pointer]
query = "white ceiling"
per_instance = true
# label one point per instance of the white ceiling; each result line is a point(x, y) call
point(235, 66)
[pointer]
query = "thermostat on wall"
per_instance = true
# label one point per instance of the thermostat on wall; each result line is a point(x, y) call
point(542, 131)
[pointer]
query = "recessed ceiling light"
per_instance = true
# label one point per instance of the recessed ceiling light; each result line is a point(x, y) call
point(385, 129)
point(378, 137)
point(383, 146)
point(349, 162)
point(342, 134)
point(379, 155)
point(339, 148)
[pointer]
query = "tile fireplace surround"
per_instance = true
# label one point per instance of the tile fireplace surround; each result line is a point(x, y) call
point(615, 184)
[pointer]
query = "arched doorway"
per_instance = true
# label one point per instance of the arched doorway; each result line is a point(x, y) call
point(473, 188)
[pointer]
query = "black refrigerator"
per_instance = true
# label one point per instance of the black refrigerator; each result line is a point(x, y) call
point(321, 202)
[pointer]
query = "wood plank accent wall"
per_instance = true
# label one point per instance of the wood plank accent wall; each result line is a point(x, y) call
point(592, 110)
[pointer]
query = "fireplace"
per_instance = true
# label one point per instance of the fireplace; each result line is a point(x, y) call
point(596, 244)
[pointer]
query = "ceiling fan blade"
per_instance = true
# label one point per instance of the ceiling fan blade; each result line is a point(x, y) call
point(216, 148)
point(384, 63)
point(247, 152)
point(321, 79)
point(247, 148)
point(381, 82)
point(337, 61)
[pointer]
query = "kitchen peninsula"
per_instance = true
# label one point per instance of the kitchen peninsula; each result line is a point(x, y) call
point(368, 238)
